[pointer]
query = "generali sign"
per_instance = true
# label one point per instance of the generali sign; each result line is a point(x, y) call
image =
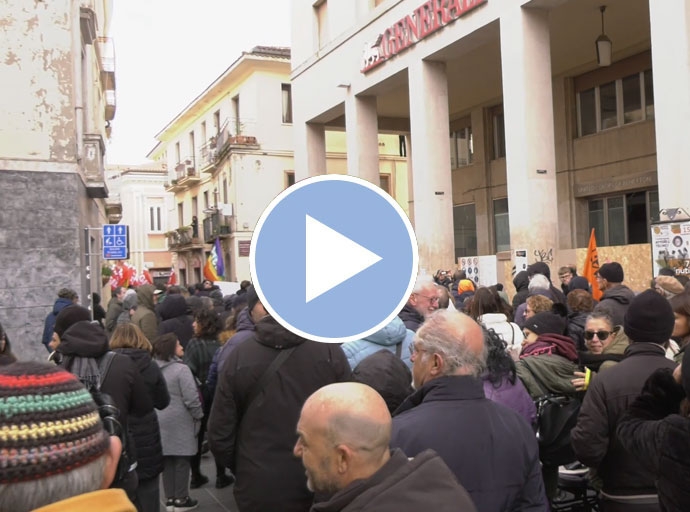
point(424, 21)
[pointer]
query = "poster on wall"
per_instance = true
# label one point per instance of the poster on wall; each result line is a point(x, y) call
point(671, 247)
point(519, 261)
point(481, 270)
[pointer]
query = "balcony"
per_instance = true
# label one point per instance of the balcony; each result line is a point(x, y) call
point(186, 173)
point(183, 239)
point(173, 186)
point(208, 156)
point(113, 208)
point(216, 225)
point(235, 135)
point(110, 105)
point(106, 58)
point(94, 170)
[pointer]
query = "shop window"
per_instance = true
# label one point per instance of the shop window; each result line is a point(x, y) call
point(461, 147)
point(498, 129)
point(624, 219)
point(501, 225)
point(465, 230)
point(287, 103)
point(616, 96)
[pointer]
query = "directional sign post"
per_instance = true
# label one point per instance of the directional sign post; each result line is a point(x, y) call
point(115, 246)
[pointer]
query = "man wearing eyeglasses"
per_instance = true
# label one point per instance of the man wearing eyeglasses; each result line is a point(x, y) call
point(422, 302)
point(491, 449)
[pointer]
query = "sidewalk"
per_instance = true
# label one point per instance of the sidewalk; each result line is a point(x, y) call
point(210, 498)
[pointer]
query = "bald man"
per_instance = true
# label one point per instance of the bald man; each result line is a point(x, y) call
point(343, 440)
point(491, 449)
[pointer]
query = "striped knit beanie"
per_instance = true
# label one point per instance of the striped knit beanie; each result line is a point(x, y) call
point(49, 423)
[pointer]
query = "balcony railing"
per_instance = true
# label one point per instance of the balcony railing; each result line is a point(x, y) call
point(216, 225)
point(208, 155)
point(186, 172)
point(183, 239)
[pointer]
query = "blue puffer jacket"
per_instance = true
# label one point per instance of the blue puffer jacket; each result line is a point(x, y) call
point(388, 337)
point(49, 325)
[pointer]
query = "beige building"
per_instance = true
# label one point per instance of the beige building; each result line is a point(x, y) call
point(58, 77)
point(230, 152)
point(520, 136)
point(139, 192)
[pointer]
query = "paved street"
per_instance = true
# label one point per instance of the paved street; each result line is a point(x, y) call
point(210, 498)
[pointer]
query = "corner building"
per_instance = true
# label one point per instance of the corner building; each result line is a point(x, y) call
point(517, 137)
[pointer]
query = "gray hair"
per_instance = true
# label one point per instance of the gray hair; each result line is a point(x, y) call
point(423, 282)
point(26, 496)
point(602, 315)
point(207, 303)
point(442, 333)
point(539, 282)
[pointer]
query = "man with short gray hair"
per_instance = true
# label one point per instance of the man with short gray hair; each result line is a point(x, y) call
point(490, 448)
point(422, 302)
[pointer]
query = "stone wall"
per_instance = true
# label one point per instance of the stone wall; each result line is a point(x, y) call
point(40, 252)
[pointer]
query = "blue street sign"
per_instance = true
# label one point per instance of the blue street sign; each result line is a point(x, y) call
point(333, 258)
point(115, 242)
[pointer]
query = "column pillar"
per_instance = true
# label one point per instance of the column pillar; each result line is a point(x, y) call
point(310, 150)
point(669, 24)
point(431, 184)
point(529, 131)
point(361, 123)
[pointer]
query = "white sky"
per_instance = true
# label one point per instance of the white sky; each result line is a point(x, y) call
point(169, 51)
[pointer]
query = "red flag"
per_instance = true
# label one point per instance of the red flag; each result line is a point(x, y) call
point(592, 266)
point(172, 280)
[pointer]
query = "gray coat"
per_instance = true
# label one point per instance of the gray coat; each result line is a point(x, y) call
point(179, 421)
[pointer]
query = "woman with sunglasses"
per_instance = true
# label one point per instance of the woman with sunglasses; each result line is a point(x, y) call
point(605, 345)
point(681, 328)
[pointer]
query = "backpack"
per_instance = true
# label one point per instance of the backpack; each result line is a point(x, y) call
point(387, 374)
point(556, 417)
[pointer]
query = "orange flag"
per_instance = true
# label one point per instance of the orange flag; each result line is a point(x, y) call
point(592, 265)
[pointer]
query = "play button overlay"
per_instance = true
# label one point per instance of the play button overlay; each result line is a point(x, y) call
point(333, 258)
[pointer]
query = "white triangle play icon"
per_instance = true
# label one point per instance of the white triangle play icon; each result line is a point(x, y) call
point(331, 258)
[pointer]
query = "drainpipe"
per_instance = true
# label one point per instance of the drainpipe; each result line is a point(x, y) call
point(77, 85)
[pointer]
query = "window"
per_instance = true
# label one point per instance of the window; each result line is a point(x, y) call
point(216, 121)
point(385, 183)
point(623, 219)
point(498, 129)
point(180, 214)
point(465, 229)
point(205, 199)
point(618, 102)
point(236, 114)
point(191, 145)
point(195, 207)
point(225, 190)
point(501, 225)
point(461, 147)
point(289, 178)
point(287, 103)
point(321, 10)
point(155, 219)
point(177, 153)
point(203, 132)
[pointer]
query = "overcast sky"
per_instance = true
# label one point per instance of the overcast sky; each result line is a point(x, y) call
point(169, 51)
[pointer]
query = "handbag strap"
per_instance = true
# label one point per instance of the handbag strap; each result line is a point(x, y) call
point(398, 349)
point(539, 382)
point(272, 369)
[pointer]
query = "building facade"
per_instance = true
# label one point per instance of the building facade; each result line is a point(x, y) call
point(140, 192)
point(58, 75)
point(230, 152)
point(520, 136)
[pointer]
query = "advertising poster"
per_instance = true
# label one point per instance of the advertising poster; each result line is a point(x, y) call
point(671, 247)
point(481, 270)
point(519, 261)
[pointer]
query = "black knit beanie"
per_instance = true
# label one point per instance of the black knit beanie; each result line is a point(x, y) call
point(539, 267)
point(252, 298)
point(612, 272)
point(546, 323)
point(649, 319)
point(70, 316)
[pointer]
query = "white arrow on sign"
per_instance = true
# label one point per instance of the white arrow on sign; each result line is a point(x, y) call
point(108, 229)
point(120, 230)
point(331, 258)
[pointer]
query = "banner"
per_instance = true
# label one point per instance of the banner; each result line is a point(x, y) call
point(670, 247)
point(214, 270)
point(592, 266)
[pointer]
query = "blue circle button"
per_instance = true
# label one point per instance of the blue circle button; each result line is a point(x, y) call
point(333, 258)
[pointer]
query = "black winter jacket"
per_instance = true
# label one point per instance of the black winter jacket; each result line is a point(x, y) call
point(491, 449)
point(144, 428)
point(521, 283)
point(654, 432)
point(609, 395)
point(402, 485)
point(411, 318)
point(256, 442)
point(173, 312)
point(576, 329)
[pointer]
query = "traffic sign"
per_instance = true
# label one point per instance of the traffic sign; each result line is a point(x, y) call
point(115, 242)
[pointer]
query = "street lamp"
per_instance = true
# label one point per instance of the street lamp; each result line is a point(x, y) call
point(603, 44)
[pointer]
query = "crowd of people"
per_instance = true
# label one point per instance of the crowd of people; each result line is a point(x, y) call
point(438, 409)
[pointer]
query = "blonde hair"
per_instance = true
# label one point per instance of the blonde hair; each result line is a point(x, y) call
point(539, 303)
point(129, 336)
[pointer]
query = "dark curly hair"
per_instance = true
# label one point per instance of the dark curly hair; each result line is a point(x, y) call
point(499, 364)
point(208, 322)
